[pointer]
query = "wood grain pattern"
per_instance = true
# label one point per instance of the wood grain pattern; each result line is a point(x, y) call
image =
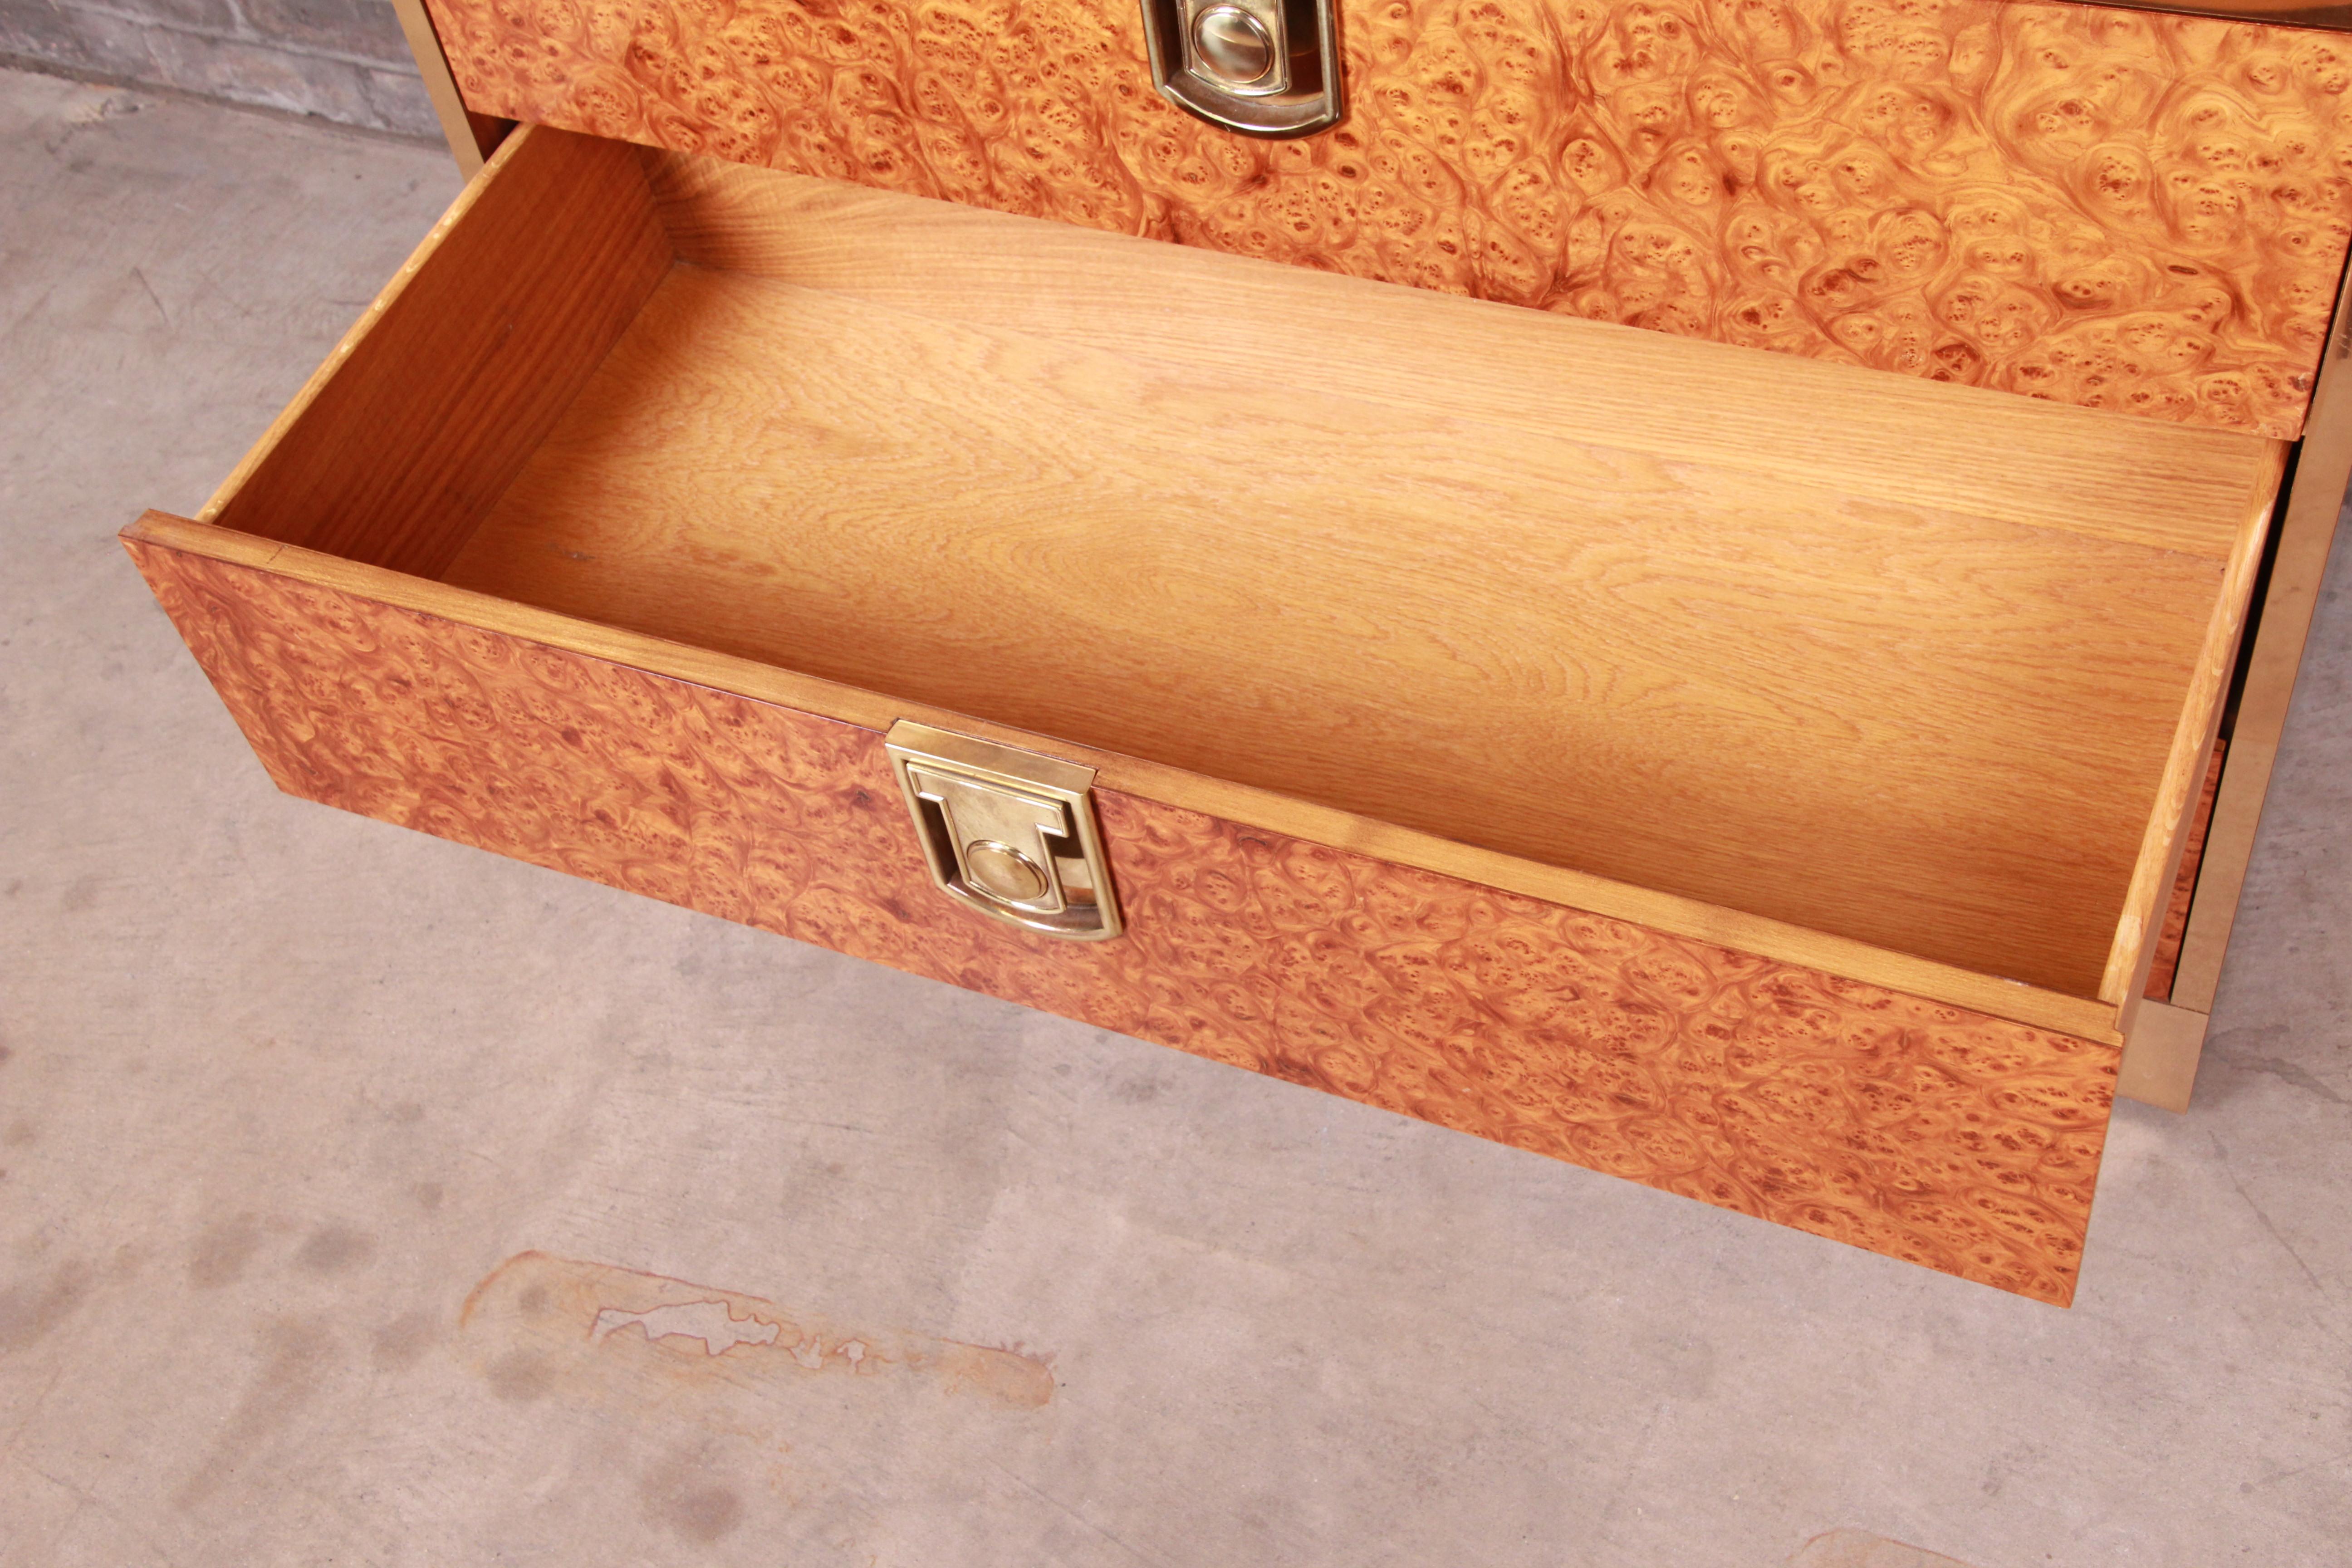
point(1923, 1132)
point(2184, 885)
point(1225, 322)
point(1937, 733)
point(450, 380)
point(2120, 210)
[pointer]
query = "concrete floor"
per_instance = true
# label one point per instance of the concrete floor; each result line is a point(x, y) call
point(279, 1087)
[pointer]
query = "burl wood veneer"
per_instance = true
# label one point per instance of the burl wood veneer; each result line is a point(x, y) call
point(1923, 1131)
point(2116, 209)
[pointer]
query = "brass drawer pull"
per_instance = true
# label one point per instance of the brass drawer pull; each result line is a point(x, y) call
point(1007, 832)
point(1268, 67)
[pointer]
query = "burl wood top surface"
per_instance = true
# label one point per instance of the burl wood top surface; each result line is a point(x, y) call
point(1924, 1131)
point(2138, 212)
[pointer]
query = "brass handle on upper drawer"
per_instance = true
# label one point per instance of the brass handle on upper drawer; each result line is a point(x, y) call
point(1009, 833)
point(1269, 67)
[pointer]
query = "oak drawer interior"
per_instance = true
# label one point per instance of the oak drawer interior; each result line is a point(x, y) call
point(1922, 666)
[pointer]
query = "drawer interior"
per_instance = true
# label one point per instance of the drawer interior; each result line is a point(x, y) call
point(1909, 664)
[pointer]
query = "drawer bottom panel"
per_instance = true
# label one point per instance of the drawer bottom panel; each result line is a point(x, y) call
point(1928, 1132)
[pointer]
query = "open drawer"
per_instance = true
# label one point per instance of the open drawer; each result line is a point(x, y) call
point(1755, 777)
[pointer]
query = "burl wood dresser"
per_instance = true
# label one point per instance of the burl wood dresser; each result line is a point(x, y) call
point(1680, 586)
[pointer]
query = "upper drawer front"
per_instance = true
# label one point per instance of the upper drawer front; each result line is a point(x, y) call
point(2123, 210)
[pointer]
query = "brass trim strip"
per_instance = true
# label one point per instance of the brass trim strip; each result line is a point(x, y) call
point(472, 137)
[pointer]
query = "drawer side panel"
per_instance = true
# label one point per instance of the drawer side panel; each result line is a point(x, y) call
point(2120, 210)
point(1914, 1128)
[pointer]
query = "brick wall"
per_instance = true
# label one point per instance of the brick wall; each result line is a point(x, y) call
point(344, 60)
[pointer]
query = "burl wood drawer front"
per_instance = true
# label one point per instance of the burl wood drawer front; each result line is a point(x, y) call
point(1918, 1129)
point(2140, 212)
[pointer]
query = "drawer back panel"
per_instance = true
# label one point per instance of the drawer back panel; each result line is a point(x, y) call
point(2116, 209)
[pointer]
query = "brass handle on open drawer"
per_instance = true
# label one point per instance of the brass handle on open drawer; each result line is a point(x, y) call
point(1270, 67)
point(1009, 833)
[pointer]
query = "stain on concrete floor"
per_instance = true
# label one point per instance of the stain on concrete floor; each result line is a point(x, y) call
point(541, 1325)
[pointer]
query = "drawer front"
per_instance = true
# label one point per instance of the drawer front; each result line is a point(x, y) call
point(2135, 212)
point(1912, 1128)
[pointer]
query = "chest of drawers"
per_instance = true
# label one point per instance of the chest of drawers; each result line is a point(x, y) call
point(1402, 636)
